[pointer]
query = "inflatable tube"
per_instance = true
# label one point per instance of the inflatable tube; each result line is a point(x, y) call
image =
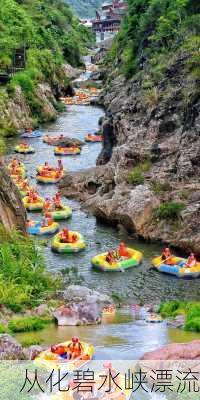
point(99, 262)
point(177, 268)
point(75, 247)
point(93, 138)
point(21, 150)
point(37, 229)
point(154, 319)
point(48, 179)
point(64, 213)
point(34, 134)
point(49, 360)
point(66, 151)
point(41, 168)
point(37, 206)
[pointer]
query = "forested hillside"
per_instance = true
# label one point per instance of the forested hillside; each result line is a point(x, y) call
point(50, 35)
point(85, 8)
point(154, 32)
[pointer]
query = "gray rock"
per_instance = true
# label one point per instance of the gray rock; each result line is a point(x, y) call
point(33, 351)
point(10, 349)
point(83, 306)
point(12, 211)
point(177, 322)
point(81, 294)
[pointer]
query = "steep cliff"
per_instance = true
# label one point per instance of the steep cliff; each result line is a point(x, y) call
point(12, 211)
point(147, 178)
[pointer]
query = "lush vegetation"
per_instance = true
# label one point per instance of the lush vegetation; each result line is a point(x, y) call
point(49, 35)
point(24, 282)
point(27, 324)
point(191, 311)
point(153, 33)
point(169, 210)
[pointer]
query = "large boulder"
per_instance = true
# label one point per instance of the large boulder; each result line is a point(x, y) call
point(175, 351)
point(67, 141)
point(10, 349)
point(82, 294)
point(82, 306)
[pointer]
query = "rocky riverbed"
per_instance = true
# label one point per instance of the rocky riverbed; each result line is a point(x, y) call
point(157, 133)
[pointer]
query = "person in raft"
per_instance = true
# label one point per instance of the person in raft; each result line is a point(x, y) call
point(29, 130)
point(167, 256)
point(24, 145)
point(65, 236)
point(110, 257)
point(122, 250)
point(70, 352)
point(47, 220)
point(60, 165)
point(57, 201)
point(47, 204)
point(33, 196)
point(191, 261)
point(15, 163)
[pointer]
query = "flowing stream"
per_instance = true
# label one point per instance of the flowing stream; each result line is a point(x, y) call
point(124, 337)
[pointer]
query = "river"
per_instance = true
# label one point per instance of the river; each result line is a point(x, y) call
point(124, 335)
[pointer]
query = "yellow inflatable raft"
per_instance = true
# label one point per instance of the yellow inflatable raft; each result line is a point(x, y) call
point(93, 138)
point(154, 319)
point(35, 228)
point(74, 247)
point(24, 150)
point(63, 213)
point(66, 151)
point(36, 206)
point(49, 179)
point(50, 361)
point(99, 261)
point(177, 267)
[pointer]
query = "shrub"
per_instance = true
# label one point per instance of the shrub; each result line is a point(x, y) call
point(170, 308)
point(136, 176)
point(27, 324)
point(23, 278)
point(169, 210)
point(152, 97)
point(159, 188)
point(193, 325)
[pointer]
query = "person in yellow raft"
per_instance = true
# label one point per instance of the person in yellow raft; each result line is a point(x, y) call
point(121, 252)
point(167, 256)
point(70, 352)
point(191, 261)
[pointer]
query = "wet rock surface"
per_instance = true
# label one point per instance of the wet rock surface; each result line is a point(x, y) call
point(12, 211)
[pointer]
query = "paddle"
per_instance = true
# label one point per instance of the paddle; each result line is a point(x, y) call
point(163, 261)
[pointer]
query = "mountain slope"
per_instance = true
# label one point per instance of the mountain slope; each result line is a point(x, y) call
point(85, 8)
